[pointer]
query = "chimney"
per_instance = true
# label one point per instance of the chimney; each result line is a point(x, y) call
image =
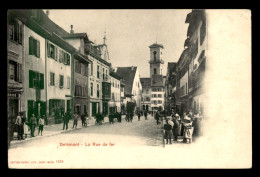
point(47, 13)
point(71, 29)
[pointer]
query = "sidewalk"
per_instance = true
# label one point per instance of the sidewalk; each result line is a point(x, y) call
point(55, 129)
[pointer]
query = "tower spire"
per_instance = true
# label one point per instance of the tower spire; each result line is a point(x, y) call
point(104, 38)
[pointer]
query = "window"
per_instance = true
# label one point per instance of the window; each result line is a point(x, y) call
point(106, 74)
point(103, 73)
point(154, 55)
point(155, 102)
point(61, 81)
point(36, 80)
point(147, 90)
point(77, 67)
point(160, 95)
point(68, 82)
point(97, 71)
point(113, 96)
point(159, 101)
point(91, 69)
point(97, 90)
point(154, 71)
point(52, 78)
point(15, 31)
point(91, 89)
point(85, 73)
point(147, 99)
point(15, 71)
point(34, 47)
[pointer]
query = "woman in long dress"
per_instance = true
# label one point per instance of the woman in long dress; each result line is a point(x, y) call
point(188, 130)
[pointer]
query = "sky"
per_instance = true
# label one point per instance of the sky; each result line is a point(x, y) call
point(129, 33)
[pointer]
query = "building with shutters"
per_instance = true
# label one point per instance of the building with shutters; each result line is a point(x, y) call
point(15, 69)
point(99, 79)
point(170, 86)
point(190, 92)
point(115, 101)
point(46, 66)
point(133, 87)
point(80, 72)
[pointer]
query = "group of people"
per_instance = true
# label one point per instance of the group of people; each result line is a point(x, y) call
point(22, 125)
point(188, 126)
point(76, 116)
point(142, 113)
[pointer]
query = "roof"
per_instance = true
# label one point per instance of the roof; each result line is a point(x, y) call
point(146, 82)
point(115, 75)
point(40, 23)
point(155, 45)
point(76, 35)
point(128, 75)
point(157, 81)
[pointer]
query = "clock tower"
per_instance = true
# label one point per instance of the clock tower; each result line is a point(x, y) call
point(156, 61)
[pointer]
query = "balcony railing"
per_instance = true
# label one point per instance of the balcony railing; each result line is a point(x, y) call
point(156, 61)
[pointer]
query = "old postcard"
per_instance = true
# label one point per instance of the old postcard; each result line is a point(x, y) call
point(129, 89)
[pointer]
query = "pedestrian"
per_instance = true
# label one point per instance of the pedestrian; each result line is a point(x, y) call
point(131, 116)
point(176, 128)
point(168, 132)
point(139, 115)
point(145, 115)
point(119, 117)
point(110, 117)
point(25, 127)
point(86, 120)
point(188, 130)
point(41, 125)
point(18, 124)
point(33, 123)
point(66, 121)
point(75, 120)
point(83, 120)
point(157, 117)
point(196, 125)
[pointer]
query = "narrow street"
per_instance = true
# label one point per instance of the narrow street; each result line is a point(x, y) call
point(93, 143)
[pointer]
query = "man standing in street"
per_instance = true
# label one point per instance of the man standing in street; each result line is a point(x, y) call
point(145, 115)
point(75, 120)
point(33, 124)
point(139, 115)
point(157, 117)
point(65, 121)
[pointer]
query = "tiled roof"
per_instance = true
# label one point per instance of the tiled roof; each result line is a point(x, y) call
point(146, 82)
point(128, 75)
point(157, 80)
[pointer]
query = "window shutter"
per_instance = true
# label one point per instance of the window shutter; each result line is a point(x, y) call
point(38, 48)
point(41, 81)
point(20, 34)
point(19, 73)
point(56, 53)
point(68, 61)
point(31, 79)
point(30, 46)
point(64, 58)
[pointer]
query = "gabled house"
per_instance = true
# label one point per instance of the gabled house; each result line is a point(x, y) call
point(133, 86)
